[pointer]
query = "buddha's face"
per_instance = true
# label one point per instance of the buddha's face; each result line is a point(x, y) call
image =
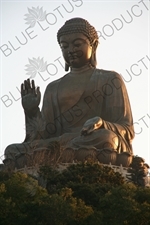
point(76, 49)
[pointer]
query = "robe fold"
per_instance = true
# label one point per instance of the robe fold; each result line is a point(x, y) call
point(104, 94)
point(72, 100)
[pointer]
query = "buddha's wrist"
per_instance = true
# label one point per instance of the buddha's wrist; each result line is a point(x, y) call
point(102, 122)
point(99, 124)
point(31, 113)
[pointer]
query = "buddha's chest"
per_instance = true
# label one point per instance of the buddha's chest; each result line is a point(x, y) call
point(70, 91)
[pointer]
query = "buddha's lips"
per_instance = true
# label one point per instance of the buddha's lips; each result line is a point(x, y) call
point(73, 57)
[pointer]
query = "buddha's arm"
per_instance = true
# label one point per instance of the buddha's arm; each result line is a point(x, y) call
point(118, 114)
point(33, 125)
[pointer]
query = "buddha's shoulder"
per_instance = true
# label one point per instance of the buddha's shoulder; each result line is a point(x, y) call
point(107, 73)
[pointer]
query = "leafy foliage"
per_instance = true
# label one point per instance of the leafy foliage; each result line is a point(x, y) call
point(83, 194)
point(23, 201)
point(113, 200)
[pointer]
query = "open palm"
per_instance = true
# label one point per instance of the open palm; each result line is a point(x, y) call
point(31, 96)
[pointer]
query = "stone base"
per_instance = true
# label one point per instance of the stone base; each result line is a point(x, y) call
point(55, 155)
point(131, 167)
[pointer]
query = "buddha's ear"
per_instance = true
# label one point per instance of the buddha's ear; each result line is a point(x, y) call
point(94, 46)
point(66, 67)
point(93, 60)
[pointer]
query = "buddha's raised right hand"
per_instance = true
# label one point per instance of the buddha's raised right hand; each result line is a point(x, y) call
point(31, 97)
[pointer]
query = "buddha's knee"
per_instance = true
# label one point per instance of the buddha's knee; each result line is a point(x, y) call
point(110, 139)
point(12, 150)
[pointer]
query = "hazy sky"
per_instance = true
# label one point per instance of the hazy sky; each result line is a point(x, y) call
point(123, 27)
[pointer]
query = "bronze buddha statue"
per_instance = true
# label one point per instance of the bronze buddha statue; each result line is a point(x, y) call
point(87, 110)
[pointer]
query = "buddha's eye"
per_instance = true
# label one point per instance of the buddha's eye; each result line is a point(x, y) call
point(63, 46)
point(77, 44)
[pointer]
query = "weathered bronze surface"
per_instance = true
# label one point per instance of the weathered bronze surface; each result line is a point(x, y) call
point(87, 111)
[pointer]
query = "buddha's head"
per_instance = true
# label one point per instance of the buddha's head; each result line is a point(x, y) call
point(78, 41)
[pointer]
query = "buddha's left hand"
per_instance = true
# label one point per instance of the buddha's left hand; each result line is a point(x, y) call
point(91, 125)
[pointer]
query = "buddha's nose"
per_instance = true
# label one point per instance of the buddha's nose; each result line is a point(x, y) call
point(71, 49)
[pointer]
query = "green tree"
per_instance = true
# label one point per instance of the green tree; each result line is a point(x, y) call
point(113, 200)
point(83, 194)
point(23, 201)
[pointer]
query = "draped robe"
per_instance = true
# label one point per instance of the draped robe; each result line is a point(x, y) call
point(103, 94)
point(73, 99)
